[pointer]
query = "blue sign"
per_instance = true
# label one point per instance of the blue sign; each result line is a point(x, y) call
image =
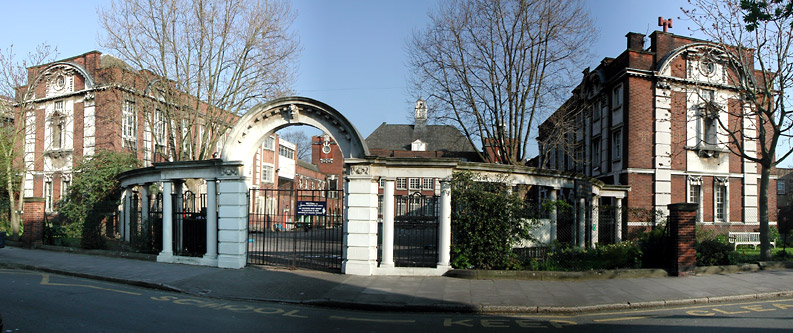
point(316, 208)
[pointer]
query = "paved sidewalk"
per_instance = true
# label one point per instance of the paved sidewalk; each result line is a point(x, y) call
point(409, 293)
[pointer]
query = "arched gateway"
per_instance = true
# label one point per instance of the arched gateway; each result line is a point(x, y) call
point(263, 120)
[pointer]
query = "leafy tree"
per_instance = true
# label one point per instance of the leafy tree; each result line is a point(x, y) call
point(95, 193)
point(490, 67)
point(487, 222)
point(756, 39)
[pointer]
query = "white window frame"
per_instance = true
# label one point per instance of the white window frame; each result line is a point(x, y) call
point(617, 95)
point(721, 200)
point(268, 173)
point(129, 124)
point(286, 152)
point(428, 184)
point(159, 127)
point(597, 160)
point(414, 183)
point(401, 183)
point(692, 184)
point(269, 143)
point(616, 144)
point(780, 186)
point(48, 193)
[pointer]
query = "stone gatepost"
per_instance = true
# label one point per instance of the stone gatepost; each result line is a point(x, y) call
point(682, 228)
point(360, 229)
point(232, 218)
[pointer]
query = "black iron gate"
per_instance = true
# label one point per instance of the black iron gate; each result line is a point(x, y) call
point(415, 230)
point(295, 228)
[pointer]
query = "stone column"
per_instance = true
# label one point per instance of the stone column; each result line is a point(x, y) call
point(553, 215)
point(360, 229)
point(581, 222)
point(387, 260)
point(178, 205)
point(167, 223)
point(212, 220)
point(445, 228)
point(682, 227)
point(127, 214)
point(595, 208)
point(618, 220)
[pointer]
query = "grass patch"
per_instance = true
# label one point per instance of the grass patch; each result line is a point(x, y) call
point(749, 255)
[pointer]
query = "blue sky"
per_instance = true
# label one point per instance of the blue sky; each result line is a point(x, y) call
point(353, 51)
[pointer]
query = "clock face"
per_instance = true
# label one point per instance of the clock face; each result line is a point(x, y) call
point(326, 149)
point(60, 82)
point(707, 67)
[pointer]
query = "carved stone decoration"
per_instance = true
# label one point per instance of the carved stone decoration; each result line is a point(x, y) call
point(360, 170)
point(231, 171)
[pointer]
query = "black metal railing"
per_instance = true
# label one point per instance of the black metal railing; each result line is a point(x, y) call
point(295, 228)
point(416, 222)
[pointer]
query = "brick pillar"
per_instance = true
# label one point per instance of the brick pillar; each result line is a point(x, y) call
point(33, 222)
point(682, 229)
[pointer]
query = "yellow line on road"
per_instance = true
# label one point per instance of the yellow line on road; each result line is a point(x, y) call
point(45, 280)
point(617, 319)
point(373, 320)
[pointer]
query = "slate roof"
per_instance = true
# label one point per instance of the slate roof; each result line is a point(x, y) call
point(437, 137)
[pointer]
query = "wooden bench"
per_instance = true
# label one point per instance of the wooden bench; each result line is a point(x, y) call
point(746, 238)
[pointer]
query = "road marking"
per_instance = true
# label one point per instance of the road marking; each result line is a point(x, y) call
point(618, 319)
point(45, 280)
point(383, 321)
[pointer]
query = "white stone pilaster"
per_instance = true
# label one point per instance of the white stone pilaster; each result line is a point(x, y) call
point(360, 229)
point(618, 221)
point(232, 228)
point(581, 222)
point(445, 227)
point(387, 260)
point(662, 147)
point(595, 220)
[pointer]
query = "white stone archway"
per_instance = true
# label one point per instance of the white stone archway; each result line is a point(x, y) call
point(360, 188)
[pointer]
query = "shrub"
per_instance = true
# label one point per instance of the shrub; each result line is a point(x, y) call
point(714, 252)
point(611, 256)
point(654, 246)
point(487, 223)
point(94, 194)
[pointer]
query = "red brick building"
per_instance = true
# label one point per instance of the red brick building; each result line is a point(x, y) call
point(650, 120)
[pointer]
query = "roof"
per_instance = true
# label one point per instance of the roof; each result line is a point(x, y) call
point(437, 138)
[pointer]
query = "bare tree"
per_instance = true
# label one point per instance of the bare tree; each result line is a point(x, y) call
point(491, 66)
point(17, 130)
point(754, 39)
point(203, 62)
point(559, 132)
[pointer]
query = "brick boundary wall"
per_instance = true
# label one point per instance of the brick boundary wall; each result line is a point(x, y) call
point(33, 221)
point(682, 229)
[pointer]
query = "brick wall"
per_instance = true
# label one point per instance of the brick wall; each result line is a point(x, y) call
point(736, 200)
point(682, 228)
point(33, 221)
point(638, 134)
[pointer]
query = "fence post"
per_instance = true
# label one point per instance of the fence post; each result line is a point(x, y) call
point(618, 220)
point(554, 216)
point(682, 227)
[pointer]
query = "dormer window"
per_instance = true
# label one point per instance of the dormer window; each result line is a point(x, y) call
point(418, 145)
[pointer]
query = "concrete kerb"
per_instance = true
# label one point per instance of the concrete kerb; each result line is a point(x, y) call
point(136, 283)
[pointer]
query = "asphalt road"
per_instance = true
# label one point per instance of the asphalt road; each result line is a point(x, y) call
point(42, 302)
